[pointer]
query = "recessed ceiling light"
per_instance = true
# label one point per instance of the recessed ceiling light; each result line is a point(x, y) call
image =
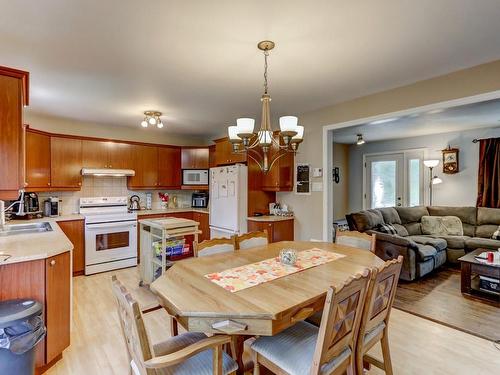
point(383, 121)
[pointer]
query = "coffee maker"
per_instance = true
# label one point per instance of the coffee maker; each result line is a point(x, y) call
point(27, 206)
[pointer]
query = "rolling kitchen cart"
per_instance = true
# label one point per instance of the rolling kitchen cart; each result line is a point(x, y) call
point(162, 242)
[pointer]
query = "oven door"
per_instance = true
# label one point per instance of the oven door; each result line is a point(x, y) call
point(110, 242)
point(195, 176)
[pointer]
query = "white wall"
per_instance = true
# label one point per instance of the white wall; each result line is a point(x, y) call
point(468, 82)
point(458, 189)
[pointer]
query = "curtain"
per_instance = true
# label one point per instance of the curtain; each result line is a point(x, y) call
point(488, 192)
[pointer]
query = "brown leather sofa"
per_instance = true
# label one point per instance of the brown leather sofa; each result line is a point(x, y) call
point(423, 253)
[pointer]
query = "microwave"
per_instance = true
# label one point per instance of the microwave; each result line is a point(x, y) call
point(195, 176)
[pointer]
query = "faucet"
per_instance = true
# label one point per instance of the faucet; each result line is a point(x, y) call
point(20, 211)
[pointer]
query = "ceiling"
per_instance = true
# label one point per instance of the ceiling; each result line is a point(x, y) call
point(466, 117)
point(197, 61)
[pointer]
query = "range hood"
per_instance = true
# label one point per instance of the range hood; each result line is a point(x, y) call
point(107, 172)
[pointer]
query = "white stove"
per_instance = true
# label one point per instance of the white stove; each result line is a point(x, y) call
point(110, 234)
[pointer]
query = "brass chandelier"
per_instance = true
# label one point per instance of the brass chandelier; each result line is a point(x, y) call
point(265, 146)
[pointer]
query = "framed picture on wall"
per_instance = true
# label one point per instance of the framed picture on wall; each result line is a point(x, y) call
point(303, 179)
point(450, 160)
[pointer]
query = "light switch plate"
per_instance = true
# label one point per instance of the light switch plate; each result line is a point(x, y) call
point(317, 172)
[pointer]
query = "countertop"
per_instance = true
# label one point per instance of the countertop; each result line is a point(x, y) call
point(269, 218)
point(26, 247)
point(172, 211)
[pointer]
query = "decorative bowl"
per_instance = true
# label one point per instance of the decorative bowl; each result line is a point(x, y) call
point(288, 257)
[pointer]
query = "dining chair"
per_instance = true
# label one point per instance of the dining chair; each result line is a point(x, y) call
point(252, 239)
point(184, 354)
point(214, 246)
point(328, 349)
point(357, 239)
point(375, 319)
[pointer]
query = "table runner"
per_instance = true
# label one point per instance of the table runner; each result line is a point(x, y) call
point(243, 277)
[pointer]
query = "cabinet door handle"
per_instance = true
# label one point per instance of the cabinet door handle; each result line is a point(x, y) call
point(48, 183)
point(52, 263)
point(110, 166)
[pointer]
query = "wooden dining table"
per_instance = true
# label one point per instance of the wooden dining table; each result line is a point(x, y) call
point(200, 305)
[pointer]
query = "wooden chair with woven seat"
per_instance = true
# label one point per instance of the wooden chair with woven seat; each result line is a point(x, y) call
point(375, 320)
point(185, 354)
point(252, 239)
point(357, 239)
point(329, 349)
point(214, 246)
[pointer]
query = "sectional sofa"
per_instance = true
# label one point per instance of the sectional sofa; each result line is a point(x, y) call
point(425, 252)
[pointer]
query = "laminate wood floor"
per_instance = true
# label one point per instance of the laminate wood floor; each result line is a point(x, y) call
point(437, 297)
point(418, 346)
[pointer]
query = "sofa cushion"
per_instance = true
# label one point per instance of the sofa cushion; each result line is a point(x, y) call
point(487, 215)
point(411, 214)
point(438, 243)
point(387, 228)
point(426, 251)
point(442, 225)
point(413, 228)
point(466, 214)
point(455, 242)
point(390, 215)
point(486, 230)
point(477, 242)
point(368, 219)
point(401, 230)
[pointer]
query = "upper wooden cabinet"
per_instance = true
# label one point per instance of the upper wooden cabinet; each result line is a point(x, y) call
point(37, 160)
point(145, 165)
point(103, 154)
point(169, 167)
point(195, 158)
point(280, 176)
point(211, 156)
point(224, 153)
point(65, 162)
point(13, 96)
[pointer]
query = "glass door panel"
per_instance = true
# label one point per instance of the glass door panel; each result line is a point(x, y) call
point(384, 181)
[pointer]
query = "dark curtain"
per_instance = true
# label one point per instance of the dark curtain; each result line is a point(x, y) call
point(488, 192)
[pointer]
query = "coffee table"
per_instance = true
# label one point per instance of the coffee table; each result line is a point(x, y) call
point(471, 268)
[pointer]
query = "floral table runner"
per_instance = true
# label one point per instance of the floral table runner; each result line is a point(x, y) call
point(243, 277)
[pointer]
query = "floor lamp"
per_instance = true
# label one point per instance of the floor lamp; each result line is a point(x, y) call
point(433, 180)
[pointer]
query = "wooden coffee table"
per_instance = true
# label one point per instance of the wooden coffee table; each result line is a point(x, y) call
point(471, 268)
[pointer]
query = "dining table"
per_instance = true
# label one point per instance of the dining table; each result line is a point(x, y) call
point(188, 291)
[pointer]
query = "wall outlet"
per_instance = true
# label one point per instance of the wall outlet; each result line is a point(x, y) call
point(317, 186)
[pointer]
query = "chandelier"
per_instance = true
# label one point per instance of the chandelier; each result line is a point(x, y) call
point(265, 146)
point(152, 118)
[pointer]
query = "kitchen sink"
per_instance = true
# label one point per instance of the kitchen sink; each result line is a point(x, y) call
point(16, 229)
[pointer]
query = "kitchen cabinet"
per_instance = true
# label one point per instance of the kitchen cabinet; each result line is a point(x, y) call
point(195, 158)
point(276, 230)
point(202, 218)
point(57, 299)
point(13, 96)
point(65, 162)
point(145, 164)
point(169, 167)
point(211, 156)
point(224, 153)
point(75, 231)
point(105, 154)
point(280, 176)
point(47, 281)
point(37, 160)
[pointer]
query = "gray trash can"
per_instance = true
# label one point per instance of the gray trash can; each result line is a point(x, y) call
point(21, 328)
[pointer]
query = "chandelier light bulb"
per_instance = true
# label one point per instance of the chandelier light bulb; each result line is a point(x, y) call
point(288, 123)
point(245, 125)
point(300, 133)
point(159, 125)
point(233, 133)
point(152, 121)
point(144, 124)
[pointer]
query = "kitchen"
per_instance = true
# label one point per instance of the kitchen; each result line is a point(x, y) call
point(88, 194)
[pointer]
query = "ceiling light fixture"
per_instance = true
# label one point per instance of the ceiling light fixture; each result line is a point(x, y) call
point(258, 145)
point(360, 141)
point(152, 118)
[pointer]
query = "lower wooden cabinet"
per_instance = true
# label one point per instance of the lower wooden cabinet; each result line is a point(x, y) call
point(75, 231)
point(47, 281)
point(202, 218)
point(276, 230)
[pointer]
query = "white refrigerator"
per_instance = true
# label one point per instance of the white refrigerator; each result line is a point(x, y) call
point(228, 200)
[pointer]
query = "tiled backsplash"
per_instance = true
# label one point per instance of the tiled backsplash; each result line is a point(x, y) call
point(110, 187)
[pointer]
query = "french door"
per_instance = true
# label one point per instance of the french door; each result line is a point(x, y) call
point(394, 179)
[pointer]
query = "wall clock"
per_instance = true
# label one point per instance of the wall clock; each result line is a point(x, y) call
point(450, 160)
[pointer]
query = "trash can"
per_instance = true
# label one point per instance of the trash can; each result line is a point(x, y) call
point(21, 328)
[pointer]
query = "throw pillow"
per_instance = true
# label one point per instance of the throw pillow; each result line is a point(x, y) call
point(442, 225)
point(496, 234)
point(387, 228)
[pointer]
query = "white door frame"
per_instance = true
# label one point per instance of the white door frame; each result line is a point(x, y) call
point(328, 138)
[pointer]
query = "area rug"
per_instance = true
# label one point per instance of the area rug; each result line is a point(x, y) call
point(437, 297)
